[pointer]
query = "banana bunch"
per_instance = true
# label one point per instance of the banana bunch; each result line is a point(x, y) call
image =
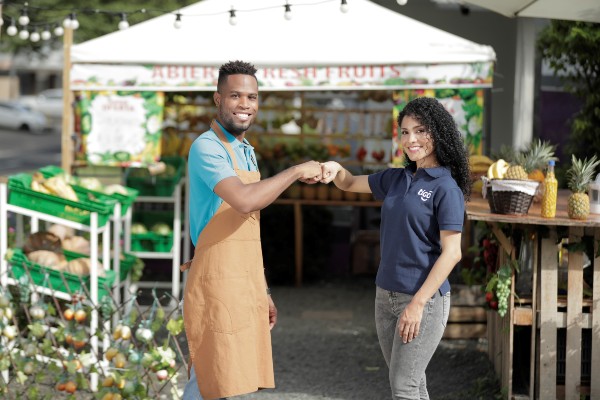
point(56, 186)
point(170, 142)
point(498, 169)
point(479, 163)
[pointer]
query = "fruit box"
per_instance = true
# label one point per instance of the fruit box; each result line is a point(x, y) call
point(157, 185)
point(125, 200)
point(58, 280)
point(21, 194)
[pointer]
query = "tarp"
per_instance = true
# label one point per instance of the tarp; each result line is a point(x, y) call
point(580, 10)
point(319, 48)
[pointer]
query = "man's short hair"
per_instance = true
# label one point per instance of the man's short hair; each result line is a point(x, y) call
point(234, 68)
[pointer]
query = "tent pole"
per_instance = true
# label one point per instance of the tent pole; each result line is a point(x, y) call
point(67, 115)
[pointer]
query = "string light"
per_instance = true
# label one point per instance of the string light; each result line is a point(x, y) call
point(123, 24)
point(12, 29)
point(58, 31)
point(71, 22)
point(177, 24)
point(24, 18)
point(288, 11)
point(35, 36)
point(232, 17)
point(46, 35)
point(402, 2)
point(344, 6)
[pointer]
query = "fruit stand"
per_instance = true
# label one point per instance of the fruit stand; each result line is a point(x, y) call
point(553, 303)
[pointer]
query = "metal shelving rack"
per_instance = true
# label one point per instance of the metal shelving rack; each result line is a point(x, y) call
point(174, 254)
point(94, 231)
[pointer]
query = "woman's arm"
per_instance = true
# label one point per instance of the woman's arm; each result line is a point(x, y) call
point(410, 320)
point(343, 179)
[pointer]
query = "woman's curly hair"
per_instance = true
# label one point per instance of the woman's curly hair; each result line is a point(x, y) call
point(450, 149)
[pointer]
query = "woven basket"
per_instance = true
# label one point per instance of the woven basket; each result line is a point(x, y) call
point(515, 202)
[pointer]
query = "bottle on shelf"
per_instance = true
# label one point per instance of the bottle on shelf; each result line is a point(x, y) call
point(550, 192)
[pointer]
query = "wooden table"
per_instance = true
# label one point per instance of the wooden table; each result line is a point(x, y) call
point(298, 224)
point(545, 311)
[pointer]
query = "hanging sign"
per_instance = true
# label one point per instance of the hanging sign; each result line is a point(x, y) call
point(120, 128)
point(189, 77)
point(465, 106)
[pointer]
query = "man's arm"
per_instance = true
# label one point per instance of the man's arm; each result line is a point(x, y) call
point(343, 179)
point(246, 198)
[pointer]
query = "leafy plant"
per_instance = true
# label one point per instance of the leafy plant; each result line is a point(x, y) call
point(572, 51)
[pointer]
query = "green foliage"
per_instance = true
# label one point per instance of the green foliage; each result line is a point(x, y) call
point(91, 23)
point(572, 51)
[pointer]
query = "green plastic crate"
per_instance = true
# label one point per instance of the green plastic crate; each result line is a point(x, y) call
point(125, 200)
point(159, 185)
point(21, 194)
point(127, 262)
point(71, 282)
point(151, 242)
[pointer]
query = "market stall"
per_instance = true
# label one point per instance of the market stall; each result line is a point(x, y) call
point(547, 345)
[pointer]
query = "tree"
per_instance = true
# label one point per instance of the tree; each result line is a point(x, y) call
point(96, 18)
point(572, 50)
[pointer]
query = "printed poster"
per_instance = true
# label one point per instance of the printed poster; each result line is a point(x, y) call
point(120, 128)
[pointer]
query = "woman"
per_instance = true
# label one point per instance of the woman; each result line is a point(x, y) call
point(421, 223)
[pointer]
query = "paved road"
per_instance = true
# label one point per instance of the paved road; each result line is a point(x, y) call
point(22, 151)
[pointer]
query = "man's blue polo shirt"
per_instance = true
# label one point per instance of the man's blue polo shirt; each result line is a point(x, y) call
point(208, 164)
point(415, 209)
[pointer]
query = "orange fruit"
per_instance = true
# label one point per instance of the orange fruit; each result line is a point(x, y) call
point(68, 314)
point(70, 387)
point(80, 315)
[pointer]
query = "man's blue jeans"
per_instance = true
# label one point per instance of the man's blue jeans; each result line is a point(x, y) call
point(191, 391)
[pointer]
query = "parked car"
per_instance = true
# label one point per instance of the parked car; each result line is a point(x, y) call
point(15, 115)
point(49, 102)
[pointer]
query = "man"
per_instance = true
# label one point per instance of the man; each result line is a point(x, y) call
point(228, 312)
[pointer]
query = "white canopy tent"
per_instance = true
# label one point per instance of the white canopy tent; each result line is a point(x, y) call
point(580, 10)
point(383, 43)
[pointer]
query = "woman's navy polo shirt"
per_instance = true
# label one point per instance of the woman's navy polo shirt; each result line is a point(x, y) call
point(415, 209)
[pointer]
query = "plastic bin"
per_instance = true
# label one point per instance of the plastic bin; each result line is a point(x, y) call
point(21, 194)
point(70, 284)
point(125, 200)
point(151, 242)
point(158, 185)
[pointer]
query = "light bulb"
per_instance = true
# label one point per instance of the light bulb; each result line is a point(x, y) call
point(123, 24)
point(59, 31)
point(402, 2)
point(74, 23)
point(23, 19)
point(24, 34)
point(344, 6)
point(177, 24)
point(12, 30)
point(35, 36)
point(67, 22)
point(232, 17)
point(288, 12)
point(46, 35)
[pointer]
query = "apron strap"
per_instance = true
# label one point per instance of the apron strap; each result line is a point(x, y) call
point(217, 129)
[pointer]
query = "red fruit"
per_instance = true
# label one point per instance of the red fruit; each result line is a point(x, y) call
point(489, 296)
point(494, 305)
point(486, 242)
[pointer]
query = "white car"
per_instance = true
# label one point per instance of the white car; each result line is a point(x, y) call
point(49, 102)
point(15, 115)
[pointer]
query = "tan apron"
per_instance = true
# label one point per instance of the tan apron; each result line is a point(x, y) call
point(226, 308)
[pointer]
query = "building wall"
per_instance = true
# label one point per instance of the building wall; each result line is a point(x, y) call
point(482, 27)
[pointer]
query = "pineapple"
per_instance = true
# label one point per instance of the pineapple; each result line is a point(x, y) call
point(536, 158)
point(580, 175)
point(516, 170)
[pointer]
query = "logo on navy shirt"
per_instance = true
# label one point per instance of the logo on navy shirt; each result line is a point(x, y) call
point(425, 195)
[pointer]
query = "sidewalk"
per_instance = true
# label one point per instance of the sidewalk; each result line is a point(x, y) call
point(325, 347)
